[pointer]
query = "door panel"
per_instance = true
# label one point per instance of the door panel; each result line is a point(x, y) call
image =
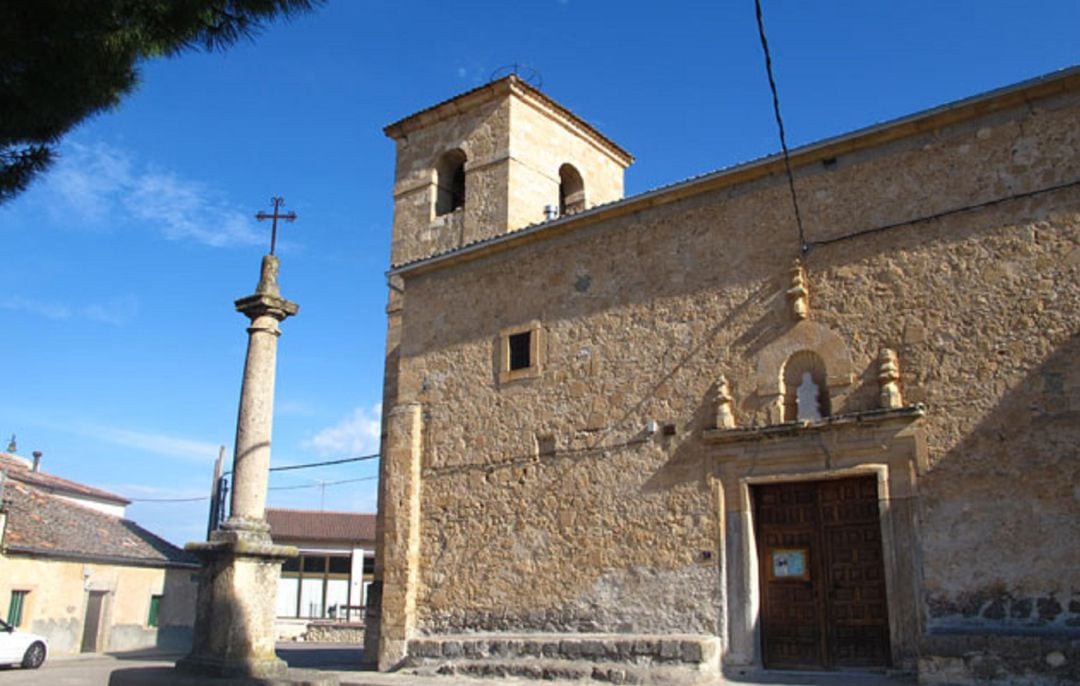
point(821, 574)
point(787, 519)
point(92, 623)
point(857, 618)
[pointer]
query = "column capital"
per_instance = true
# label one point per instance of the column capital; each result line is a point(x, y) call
point(261, 304)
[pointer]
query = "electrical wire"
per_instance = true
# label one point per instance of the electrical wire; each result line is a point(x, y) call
point(322, 483)
point(309, 465)
point(168, 500)
point(803, 246)
point(944, 213)
point(280, 488)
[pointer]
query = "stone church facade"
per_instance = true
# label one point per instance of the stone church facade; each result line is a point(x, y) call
point(654, 432)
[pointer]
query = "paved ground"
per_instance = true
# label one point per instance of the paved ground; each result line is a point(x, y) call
point(95, 670)
point(88, 670)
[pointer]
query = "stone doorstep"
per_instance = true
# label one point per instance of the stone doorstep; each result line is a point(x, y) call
point(688, 651)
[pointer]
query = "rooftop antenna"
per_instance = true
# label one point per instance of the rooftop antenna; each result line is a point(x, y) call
point(524, 72)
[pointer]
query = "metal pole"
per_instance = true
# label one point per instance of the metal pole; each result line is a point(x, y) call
point(212, 521)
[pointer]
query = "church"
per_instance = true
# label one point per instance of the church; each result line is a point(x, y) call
point(665, 435)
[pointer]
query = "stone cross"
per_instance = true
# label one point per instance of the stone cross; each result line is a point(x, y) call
point(235, 608)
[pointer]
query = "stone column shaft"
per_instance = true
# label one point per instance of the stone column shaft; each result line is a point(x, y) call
point(251, 461)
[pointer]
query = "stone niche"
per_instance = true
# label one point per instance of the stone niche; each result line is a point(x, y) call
point(801, 346)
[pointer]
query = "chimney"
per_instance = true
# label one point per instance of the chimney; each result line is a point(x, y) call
point(37, 459)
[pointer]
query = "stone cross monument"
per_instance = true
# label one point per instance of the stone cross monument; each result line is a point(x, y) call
point(234, 620)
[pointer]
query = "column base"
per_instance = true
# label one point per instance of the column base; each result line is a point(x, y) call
point(234, 632)
point(249, 668)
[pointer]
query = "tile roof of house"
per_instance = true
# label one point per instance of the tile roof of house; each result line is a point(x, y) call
point(314, 525)
point(17, 468)
point(41, 524)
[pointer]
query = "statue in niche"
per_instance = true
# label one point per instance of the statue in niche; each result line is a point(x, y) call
point(798, 293)
point(725, 418)
point(889, 379)
point(808, 401)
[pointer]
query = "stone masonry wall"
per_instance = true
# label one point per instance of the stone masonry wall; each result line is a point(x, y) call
point(482, 137)
point(617, 530)
point(541, 142)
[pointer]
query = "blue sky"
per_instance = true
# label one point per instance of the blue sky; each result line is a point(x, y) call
point(122, 352)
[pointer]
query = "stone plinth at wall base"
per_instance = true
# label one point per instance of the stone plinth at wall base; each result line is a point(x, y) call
point(615, 658)
point(234, 631)
point(335, 632)
point(164, 676)
point(960, 659)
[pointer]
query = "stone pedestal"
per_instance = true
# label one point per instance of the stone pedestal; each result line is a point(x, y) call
point(235, 611)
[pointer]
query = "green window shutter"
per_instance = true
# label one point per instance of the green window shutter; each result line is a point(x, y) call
point(155, 606)
point(15, 608)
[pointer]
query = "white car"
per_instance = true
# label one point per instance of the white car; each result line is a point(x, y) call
point(21, 648)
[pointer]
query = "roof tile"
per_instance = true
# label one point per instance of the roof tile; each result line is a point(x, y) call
point(16, 469)
point(314, 525)
point(44, 524)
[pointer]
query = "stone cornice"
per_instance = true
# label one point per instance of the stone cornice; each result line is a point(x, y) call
point(907, 414)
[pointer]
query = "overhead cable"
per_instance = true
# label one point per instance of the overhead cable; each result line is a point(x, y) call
point(803, 246)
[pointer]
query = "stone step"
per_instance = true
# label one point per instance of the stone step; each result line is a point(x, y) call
point(567, 670)
point(612, 658)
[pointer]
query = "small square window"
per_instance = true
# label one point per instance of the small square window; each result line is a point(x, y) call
point(519, 352)
point(545, 445)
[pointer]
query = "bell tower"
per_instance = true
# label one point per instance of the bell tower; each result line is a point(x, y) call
point(493, 160)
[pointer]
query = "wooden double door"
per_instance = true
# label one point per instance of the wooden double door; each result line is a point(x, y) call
point(822, 577)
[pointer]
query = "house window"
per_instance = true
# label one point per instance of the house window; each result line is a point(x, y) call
point(450, 183)
point(155, 608)
point(15, 607)
point(519, 352)
point(571, 190)
point(314, 587)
